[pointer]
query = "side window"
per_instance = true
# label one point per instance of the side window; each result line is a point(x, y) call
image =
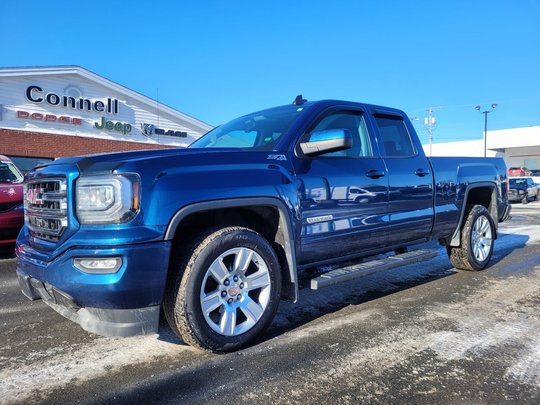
point(355, 123)
point(395, 137)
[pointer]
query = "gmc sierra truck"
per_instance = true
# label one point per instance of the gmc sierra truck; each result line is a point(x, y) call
point(217, 234)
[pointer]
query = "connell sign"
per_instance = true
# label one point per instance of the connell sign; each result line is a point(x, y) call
point(36, 94)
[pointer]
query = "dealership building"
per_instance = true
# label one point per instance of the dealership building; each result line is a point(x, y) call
point(50, 112)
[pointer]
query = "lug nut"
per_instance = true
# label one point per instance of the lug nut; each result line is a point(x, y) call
point(226, 282)
point(239, 297)
point(230, 300)
point(241, 285)
point(224, 294)
point(235, 278)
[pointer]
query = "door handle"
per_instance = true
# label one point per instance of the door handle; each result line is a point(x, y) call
point(421, 172)
point(375, 174)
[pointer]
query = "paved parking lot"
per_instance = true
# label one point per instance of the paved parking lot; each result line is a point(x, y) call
point(424, 333)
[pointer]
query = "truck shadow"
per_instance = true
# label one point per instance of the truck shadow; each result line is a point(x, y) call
point(312, 305)
point(315, 304)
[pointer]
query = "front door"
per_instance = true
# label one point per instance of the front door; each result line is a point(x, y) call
point(344, 195)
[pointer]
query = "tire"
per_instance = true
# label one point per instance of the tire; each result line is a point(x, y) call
point(224, 289)
point(525, 199)
point(477, 237)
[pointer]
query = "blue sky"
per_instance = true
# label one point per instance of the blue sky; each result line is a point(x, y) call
point(216, 60)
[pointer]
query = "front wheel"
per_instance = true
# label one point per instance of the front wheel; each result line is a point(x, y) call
point(477, 237)
point(226, 291)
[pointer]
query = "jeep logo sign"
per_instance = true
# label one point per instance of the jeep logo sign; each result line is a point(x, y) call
point(113, 126)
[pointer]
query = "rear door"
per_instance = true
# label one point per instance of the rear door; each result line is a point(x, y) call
point(343, 194)
point(410, 181)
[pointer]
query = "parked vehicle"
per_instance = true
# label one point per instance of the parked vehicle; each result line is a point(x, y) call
point(216, 234)
point(518, 172)
point(535, 175)
point(11, 204)
point(523, 189)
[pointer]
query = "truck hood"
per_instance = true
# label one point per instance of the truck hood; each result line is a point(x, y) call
point(111, 161)
point(11, 193)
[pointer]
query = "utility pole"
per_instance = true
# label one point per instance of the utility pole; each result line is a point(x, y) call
point(429, 123)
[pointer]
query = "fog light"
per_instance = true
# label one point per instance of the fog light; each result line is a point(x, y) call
point(102, 265)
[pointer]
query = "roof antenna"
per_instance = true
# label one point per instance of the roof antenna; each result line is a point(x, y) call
point(299, 100)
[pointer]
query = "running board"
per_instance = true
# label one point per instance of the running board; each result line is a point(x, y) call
point(374, 266)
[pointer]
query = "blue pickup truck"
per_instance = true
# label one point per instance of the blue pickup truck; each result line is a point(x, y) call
point(215, 235)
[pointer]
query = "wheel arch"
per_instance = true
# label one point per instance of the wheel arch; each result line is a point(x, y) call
point(245, 212)
point(481, 193)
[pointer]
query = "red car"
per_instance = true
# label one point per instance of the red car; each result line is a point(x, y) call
point(518, 171)
point(11, 204)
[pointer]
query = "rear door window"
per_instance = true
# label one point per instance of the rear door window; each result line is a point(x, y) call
point(396, 141)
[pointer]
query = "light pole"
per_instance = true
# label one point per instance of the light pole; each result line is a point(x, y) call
point(477, 108)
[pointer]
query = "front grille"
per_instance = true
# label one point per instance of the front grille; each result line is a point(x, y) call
point(45, 204)
point(4, 207)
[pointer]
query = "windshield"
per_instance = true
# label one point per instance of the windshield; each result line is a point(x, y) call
point(518, 182)
point(9, 173)
point(260, 131)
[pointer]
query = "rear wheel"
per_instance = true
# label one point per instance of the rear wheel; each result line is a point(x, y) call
point(227, 289)
point(477, 237)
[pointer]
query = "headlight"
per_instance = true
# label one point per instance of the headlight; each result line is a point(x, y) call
point(107, 199)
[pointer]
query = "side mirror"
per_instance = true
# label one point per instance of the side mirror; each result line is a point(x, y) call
point(329, 140)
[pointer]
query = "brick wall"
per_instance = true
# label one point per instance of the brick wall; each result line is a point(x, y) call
point(34, 144)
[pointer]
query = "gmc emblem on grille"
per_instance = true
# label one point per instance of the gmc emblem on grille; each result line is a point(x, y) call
point(34, 195)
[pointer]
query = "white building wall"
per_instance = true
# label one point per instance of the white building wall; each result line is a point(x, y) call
point(514, 137)
point(520, 147)
point(464, 148)
point(528, 157)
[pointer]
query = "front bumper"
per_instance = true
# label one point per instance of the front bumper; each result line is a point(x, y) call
point(124, 303)
point(516, 197)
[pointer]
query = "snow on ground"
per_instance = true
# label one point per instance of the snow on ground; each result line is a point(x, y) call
point(477, 330)
point(500, 323)
point(58, 365)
